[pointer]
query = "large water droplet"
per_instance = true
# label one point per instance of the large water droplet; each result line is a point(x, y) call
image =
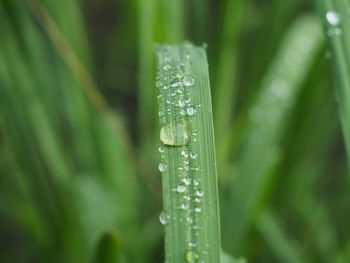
point(162, 167)
point(333, 18)
point(188, 81)
point(163, 218)
point(176, 133)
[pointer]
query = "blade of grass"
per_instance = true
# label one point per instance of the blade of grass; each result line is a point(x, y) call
point(267, 119)
point(335, 16)
point(192, 230)
point(283, 248)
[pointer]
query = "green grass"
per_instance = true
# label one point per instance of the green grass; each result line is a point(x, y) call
point(79, 133)
point(188, 164)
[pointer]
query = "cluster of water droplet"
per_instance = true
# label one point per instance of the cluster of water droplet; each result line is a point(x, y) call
point(334, 20)
point(177, 109)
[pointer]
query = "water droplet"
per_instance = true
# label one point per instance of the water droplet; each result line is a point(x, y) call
point(198, 200)
point(181, 188)
point(333, 18)
point(160, 149)
point(187, 197)
point(163, 218)
point(198, 209)
point(193, 155)
point(185, 154)
point(162, 167)
point(191, 256)
point(176, 133)
point(191, 111)
point(200, 193)
point(195, 182)
point(167, 67)
point(189, 220)
point(181, 103)
point(187, 181)
point(188, 81)
point(184, 206)
point(176, 84)
point(159, 84)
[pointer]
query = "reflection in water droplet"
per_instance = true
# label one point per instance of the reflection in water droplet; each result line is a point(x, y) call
point(333, 18)
point(163, 218)
point(175, 133)
point(188, 81)
point(162, 167)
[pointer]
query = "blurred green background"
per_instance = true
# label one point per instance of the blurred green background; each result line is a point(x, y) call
point(79, 137)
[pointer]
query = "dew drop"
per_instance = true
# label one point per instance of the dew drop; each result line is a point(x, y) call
point(176, 133)
point(176, 84)
point(185, 154)
point(200, 193)
point(198, 209)
point(162, 167)
point(159, 84)
point(181, 104)
point(333, 18)
point(184, 206)
point(160, 149)
point(187, 181)
point(167, 67)
point(188, 81)
point(191, 256)
point(163, 218)
point(193, 155)
point(181, 188)
point(191, 111)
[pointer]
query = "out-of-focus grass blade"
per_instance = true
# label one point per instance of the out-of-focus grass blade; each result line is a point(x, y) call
point(146, 94)
point(278, 242)
point(226, 70)
point(191, 218)
point(226, 258)
point(335, 16)
point(109, 249)
point(268, 117)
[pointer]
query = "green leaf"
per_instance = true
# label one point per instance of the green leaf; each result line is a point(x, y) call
point(109, 249)
point(267, 119)
point(335, 16)
point(190, 215)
